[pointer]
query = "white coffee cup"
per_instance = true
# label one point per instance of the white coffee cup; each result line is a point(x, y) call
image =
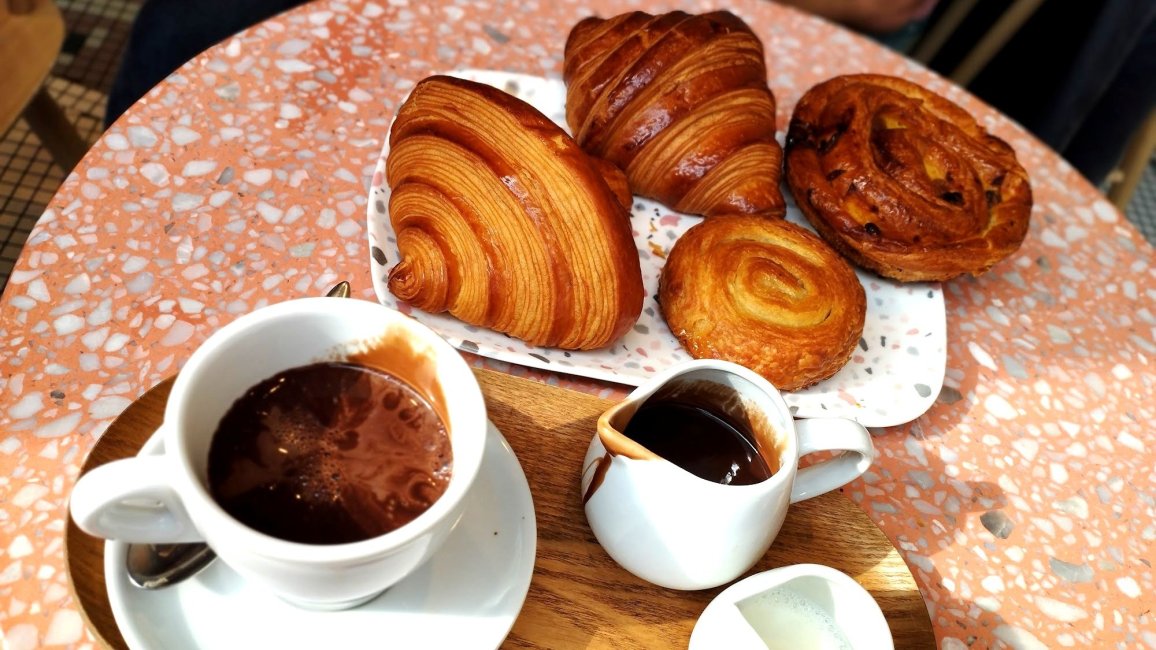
point(166, 498)
point(670, 527)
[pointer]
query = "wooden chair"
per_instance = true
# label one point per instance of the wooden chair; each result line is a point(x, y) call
point(31, 34)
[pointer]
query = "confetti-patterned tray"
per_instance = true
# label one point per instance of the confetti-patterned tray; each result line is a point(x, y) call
point(892, 378)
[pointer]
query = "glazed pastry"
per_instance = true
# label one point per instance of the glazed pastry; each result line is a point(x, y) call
point(504, 222)
point(681, 103)
point(766, 294)
point(903, 181)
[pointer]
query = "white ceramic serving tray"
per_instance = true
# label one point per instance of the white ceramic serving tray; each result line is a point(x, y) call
point(893, 377)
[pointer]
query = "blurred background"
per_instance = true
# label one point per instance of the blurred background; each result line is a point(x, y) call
point(993, 47)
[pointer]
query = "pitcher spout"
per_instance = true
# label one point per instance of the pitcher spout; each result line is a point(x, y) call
point(612, 425)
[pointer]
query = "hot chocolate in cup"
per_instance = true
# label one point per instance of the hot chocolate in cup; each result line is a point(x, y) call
point(688, 481)
point(323, 448)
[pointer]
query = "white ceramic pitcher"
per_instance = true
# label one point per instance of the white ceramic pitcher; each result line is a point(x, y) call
point(672, 528)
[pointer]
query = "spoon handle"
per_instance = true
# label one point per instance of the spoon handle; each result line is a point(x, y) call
point(339, 290)
point(153, 566)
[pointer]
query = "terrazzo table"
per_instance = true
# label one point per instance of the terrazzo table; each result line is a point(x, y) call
point(1024, 500)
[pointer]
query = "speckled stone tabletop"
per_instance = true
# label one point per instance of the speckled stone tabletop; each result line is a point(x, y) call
point(1024, 500)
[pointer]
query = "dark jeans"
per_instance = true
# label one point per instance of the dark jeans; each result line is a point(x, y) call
point(1081, 76)
point(1112, 110)
point(167, 33)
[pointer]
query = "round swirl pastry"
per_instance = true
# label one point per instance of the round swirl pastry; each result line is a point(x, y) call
point(903, 181)
point(681, 103)
point(502, 220)
point(766, 294)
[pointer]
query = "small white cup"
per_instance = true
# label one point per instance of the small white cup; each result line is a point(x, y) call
point(166, 498)
point(810, 599)
point(672, 528)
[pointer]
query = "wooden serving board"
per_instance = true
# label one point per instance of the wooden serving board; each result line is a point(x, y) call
point(579, 597)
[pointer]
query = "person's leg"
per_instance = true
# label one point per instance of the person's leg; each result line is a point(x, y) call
point(904, 39)
point(167, 33)
point(1086, 62)
point(1026, 77)
point(1097, 145)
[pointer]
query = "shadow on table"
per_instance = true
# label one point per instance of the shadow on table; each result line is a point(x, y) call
point(937, 505)
point(919, 494)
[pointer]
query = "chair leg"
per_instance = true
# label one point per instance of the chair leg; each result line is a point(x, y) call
point(56, 132)
point(995, 38)
point(942, 30)
point(1141, 147)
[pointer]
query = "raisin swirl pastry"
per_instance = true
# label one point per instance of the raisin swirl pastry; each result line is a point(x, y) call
point(903, 181)
point(766, 294)
point(681, 103)
point(502, 220)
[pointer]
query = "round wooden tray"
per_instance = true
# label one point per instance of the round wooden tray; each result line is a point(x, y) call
point(579, 597)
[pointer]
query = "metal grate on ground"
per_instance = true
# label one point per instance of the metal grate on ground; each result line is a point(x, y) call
point(96, 36)
point(29, 177)
point(96, 33)
point(1142, 208)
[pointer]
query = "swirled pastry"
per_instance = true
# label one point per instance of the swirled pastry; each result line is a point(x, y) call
point(681, 103)
point(903, 181)
point(504, 222)
point(766, 294)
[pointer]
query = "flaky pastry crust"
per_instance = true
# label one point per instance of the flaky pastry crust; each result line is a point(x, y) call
point(681, 103)
point(502, 220)
point(904, 182)
point(766, 294)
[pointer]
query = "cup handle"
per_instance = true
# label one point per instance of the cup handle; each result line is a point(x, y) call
point(831, 434)
point(132, 500)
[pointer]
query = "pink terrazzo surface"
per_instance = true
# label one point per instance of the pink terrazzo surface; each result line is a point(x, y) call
point(1024, 500)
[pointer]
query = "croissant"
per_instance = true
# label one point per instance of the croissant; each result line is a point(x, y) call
point(502, 220)
point(904, 182)
point(766, 294)
point(681, 103)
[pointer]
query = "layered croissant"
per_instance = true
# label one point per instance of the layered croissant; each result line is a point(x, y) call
point(904, 182)
point(505, 222)
point(681, 103)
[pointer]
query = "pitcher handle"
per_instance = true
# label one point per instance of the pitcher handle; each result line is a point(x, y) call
point(831, 434)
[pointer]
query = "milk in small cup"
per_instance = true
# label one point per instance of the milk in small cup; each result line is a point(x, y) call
point(291, 354)
point(687, 482)
point(797, 606)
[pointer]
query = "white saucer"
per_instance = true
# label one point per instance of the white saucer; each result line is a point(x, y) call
point(467, 596)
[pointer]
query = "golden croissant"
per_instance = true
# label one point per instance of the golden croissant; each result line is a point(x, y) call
point(903, 181)
point(502, 220)
point(681, 103)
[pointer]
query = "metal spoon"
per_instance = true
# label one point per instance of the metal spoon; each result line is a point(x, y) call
point(153, 566)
